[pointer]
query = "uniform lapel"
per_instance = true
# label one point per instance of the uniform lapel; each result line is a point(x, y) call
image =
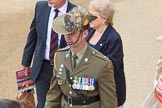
point(83, 64)
point(67, 60)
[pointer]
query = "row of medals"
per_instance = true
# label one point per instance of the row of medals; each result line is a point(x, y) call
point(82, 83)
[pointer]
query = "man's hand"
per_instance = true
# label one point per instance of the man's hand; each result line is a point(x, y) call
point(26, 69)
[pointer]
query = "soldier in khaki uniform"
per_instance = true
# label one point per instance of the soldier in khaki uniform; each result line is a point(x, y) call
point(86, 80)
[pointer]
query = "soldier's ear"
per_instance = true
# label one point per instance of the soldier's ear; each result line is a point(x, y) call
point(85, 33)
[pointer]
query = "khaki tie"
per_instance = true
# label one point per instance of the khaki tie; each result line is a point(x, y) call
point(74, 61)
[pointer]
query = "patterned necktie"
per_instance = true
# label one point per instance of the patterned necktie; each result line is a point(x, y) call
point(54, 40)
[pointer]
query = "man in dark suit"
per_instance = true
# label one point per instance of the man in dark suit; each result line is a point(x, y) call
point(38, 44)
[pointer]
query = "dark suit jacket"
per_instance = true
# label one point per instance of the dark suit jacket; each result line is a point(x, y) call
point(110, 45)
point(36, 41)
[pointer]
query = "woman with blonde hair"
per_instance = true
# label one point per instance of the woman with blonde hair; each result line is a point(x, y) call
point(104, 38)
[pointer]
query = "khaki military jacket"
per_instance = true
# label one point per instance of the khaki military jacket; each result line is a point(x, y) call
point(92, 65)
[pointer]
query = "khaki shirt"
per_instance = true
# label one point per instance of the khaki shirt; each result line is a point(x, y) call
point(92, 65)
point(79, 54)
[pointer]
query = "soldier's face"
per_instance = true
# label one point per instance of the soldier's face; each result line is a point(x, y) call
point(56, 3)
point(74, 39)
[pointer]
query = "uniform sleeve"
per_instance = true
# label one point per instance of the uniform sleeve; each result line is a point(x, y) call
point(107, 89)
point(53, 98)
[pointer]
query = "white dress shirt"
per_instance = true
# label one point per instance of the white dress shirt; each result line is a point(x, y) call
point(62, 11)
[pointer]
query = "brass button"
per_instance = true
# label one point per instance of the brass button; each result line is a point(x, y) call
point(70, 85)
point(70, 92)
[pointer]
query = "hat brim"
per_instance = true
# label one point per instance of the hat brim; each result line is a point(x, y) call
point(58, 25)
point(159, 38)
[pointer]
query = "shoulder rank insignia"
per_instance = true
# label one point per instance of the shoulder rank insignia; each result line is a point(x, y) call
point(99, 55)
point(109, 65)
